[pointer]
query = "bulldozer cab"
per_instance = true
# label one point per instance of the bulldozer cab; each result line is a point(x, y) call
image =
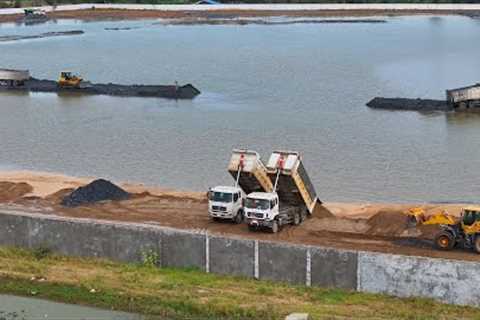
point(67, 75)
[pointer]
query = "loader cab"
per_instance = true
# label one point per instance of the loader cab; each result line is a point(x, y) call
point(470, 215)
point(226, 203)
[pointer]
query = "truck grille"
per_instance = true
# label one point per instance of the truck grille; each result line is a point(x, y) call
point(218, 208)
point(255, 215)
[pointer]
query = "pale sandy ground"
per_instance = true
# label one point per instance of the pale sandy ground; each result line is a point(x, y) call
point(46, 183)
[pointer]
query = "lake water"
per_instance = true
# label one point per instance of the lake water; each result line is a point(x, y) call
point(301, 87)
point(19, 308)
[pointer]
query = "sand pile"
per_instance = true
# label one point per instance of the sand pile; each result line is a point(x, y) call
point(321, 212)
point(98, 190)
point(10, 191)
point(388, 223)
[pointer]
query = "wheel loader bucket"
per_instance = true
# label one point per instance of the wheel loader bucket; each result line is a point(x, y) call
point(415, 217)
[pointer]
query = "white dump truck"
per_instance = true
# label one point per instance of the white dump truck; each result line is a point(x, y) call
point(286, 197)
point(250, 174)
point(226, 203)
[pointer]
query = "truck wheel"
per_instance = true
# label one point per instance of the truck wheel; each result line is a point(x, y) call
point(238, 218)
point(476, 243)
point(303, 217)
point(274, 226)
point(444, 241)
point(296, 219)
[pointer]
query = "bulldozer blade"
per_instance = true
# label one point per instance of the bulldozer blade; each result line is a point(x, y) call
point(85, 85)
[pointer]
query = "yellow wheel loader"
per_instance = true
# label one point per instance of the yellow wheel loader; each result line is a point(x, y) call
point(453, 232)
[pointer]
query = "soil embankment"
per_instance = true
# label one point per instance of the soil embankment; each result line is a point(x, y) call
point(98, 14)
point(187, 91)
point(409, 104)
point(373, 227)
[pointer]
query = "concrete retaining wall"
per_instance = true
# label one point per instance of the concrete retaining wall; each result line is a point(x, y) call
point(449, 281)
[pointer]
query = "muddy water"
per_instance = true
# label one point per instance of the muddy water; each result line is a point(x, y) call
point(300, 86)
point(19, 308)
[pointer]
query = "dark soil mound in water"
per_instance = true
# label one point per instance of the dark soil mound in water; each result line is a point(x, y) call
point(408, 104)
point(98, 190)
point(388, 223)
point(10, 191)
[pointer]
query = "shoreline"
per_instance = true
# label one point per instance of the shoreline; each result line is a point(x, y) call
point(45, 184)
point(100, 12)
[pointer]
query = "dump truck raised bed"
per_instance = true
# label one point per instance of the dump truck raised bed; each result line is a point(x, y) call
point(248, 170)
point(293, 186)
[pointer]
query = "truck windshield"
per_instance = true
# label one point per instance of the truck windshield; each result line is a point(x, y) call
point(257, 204)
point(221, 197)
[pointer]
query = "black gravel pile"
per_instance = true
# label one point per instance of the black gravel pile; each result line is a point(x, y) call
point(98, 190)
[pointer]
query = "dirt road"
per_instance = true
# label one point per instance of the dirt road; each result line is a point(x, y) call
point(372, 227)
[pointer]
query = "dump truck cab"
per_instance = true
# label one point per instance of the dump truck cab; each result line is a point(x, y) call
point(261, 209)
point(226, 203)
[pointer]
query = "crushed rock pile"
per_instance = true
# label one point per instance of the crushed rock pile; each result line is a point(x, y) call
point(98, 190)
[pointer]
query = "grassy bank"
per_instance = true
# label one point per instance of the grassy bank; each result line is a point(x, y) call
point(190, 293)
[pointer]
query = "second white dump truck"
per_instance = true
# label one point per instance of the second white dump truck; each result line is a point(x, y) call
point(292, 198)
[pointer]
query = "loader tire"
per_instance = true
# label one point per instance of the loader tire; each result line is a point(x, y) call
point(476, 243)
point(444, 241)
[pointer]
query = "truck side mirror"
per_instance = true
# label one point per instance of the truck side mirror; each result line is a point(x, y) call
point(209, 195)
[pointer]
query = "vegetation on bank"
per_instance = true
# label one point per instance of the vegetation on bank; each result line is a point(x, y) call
point(180, 294)
point(31, 3)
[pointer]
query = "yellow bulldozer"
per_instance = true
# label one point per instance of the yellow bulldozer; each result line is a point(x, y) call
point(69, 80)
point(463, 231)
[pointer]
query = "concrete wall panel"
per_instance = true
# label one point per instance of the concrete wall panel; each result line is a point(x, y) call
point(281, 262)
point(13, 231)
point(184, 250)
point(232, 256)
point(334, 268)
point(449, 281)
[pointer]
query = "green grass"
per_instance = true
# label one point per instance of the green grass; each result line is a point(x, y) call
point(178, 294)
